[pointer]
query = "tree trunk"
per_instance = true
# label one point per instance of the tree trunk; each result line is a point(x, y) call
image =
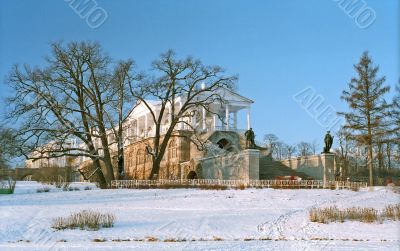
point(380, 157)
point(120, 162)
point(155, 169)
point(389, 155)
point(102, 181)
point(109, 171)
point(370, 165)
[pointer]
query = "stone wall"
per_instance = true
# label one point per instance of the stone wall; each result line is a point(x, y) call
point(138, 163)
point(183, 157)
point(243, 165)
point(321, 167)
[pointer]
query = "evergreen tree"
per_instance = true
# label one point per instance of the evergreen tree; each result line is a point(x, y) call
point(367, 107)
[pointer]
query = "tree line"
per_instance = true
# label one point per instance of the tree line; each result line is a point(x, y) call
point(369, 140)
point(281, 150)
point(82, 93)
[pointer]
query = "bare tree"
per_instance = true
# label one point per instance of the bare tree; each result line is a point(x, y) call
point(67, 100)
point(291, 150)
point(279, 149)
point(196, 83)
point(314, 146)
point(367, 106)
point(394, 131)
point(395, 115)
point(343, 152)
point(271, 140)
point(304, 149)
point(389, 154)
point(118, 108)
point(395, 112)
point(7, 144)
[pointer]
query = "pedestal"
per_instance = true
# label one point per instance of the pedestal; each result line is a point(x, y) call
point(329, 166)
point(252, 161)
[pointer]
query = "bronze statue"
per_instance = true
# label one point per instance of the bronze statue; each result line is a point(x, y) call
point(250, 137)
point(328, 142)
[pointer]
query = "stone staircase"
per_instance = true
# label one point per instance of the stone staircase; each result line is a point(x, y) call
point(270, 169)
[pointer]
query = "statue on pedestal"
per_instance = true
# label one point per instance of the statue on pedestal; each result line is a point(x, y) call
point(328, 142)
point(250, 137)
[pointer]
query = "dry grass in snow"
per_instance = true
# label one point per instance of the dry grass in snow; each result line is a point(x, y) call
point(86, 219)
point(366, 215)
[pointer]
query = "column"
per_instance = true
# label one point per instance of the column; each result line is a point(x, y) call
point(214, 122)
point(204, 118)
point(137, 128)
point(227, 117)
point(145, 125)
point(248, 118)
point(194, 119)
point(235, 120)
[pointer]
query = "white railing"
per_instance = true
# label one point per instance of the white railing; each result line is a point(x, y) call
point(237, 183)
point(224, 129)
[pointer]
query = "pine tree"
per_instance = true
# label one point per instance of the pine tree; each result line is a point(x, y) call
point(367, 107)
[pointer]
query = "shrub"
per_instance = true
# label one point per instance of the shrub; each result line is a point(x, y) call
point(73, 188)
point(7, 186)
point(88, 188)
point(216, 238)
point(392, 212)
point(327, 215)
point(6, 191)
point(86, 219)
point(99, 240)
point(366, 215)
point(151, 239)
point(65, 186)
point(43, 190)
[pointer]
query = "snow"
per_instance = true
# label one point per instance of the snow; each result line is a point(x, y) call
point(28, 187)
point(255, 219)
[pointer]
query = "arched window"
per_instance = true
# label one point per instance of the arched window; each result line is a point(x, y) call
point(223, 143)
point(192, 175)
point(172, 149)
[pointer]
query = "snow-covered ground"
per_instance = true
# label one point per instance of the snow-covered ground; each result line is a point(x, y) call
point(191, 219)
point(25, 187)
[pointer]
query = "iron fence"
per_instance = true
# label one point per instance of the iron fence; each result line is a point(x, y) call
point(307, 184)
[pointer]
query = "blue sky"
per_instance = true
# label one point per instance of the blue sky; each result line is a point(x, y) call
point(278, 48)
